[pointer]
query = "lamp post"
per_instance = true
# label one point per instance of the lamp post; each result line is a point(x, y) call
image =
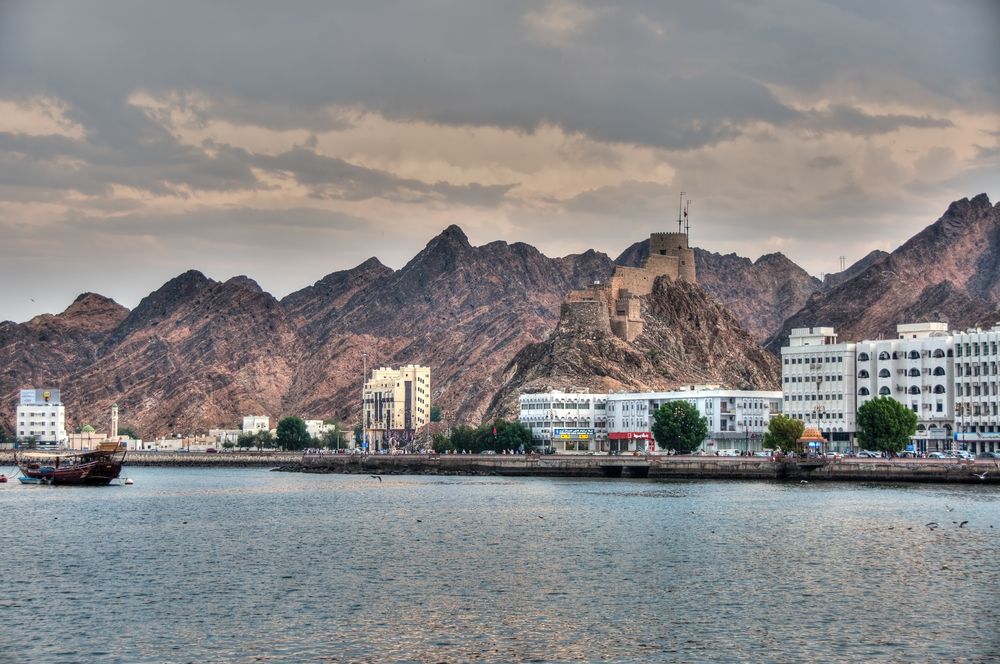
point(364, 379)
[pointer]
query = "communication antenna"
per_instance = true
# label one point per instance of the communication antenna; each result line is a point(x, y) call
point(843, 265)
point(680, 209)
point(687, 222)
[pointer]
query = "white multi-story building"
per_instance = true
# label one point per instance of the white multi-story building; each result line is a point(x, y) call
point(316, 428)
point(818, 383)
point(916, 370)
point(568, 422)
point(737, 419)
point(977, 402)
point(42, 417)
point(255, 423)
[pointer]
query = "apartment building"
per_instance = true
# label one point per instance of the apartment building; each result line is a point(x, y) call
point(566, 421)
point(397, 402)
point(818, 383)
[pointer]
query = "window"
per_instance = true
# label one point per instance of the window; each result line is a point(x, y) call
point(914, 355)
point(863, 374)
point(884, 373)
point(914, 389)
point(864, 392)
point(914, 372)
point(939, 389)
point(883, 355)
point(863, 357)
point(938, 352)
point(884, 391)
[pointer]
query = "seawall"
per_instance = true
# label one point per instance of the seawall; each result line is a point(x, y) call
point(656, 467)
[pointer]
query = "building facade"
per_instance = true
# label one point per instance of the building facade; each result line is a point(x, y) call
point(397, 403)
point(255, 423)
point(41, 416)
point(737, 419)
point(976, 366)
point(818, 383)
point(915, 369)
point(566, 422)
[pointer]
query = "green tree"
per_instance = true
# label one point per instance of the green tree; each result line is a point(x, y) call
point(264, 439)
point(783, 433)
point(885, 425)
point(128, 432)
point(331, 439)
point(86, 428)
point(435, 413)
point(292, 434)
point(246, 440)
point(464, 437)
point(678, 426)
point(228, 445)
point(359, 435)
point(441, 443)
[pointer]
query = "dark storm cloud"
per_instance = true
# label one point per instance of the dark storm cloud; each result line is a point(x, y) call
point(841, 117)
point(615, 77)
point(330, 177)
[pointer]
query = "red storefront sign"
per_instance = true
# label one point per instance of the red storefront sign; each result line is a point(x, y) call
point(630, 435)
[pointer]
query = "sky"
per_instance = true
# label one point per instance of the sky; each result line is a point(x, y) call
point(285, 141)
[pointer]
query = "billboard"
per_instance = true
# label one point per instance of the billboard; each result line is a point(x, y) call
point(573, 434)
point(39, 397)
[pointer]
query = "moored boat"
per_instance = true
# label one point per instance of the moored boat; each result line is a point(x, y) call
point(95, 467)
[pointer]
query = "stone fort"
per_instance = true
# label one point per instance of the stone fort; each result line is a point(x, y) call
point(614, 306)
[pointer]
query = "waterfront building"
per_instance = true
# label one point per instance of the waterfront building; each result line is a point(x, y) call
point(41, 416)
point(818, 383)
point(976, 365)
point(223, 436)
point(915, 369)
point(737, 419)
point(316, 428)
point(566, 421)
point(255, 423)
point(397, 402)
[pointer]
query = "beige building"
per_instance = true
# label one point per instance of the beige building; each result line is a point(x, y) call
point(615, 306)
point(397, 403)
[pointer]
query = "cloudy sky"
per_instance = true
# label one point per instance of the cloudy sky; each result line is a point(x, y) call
point(289, 140)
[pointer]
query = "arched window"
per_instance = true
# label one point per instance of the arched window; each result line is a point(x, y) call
point(939, 389)
point(863, 374)
point(938, 352)
point(863, 392)
point(884, 391)
point(883, 355)
point(914, 354)
point(896, 355)
point(863, 357)
point(884, 373)
point(914, 371)
point(914, 389)
point(951, 353)
point(938, 371)
point(921, 427)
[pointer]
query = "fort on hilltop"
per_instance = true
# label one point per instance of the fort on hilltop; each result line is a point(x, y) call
point(615, 304)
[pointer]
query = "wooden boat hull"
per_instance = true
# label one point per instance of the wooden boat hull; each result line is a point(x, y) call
point(92, 469)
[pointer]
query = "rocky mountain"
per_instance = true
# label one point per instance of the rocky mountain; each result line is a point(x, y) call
point(43, 350)
point(689, 338)
point(836, 278)
point(950, 271)
point(761, 294)
point(462, 310)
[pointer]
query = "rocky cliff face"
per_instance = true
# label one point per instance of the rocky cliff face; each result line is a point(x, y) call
point(689, 338)
point(949, 272)
point(833, 280)
point(42, 351)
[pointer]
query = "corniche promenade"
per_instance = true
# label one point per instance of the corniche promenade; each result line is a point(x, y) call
point(982, 471)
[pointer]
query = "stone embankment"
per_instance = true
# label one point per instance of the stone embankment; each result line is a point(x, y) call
point(195, 459)
point(657, 467)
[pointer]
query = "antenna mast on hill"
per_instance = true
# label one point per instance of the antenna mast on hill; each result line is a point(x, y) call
point(687, 222)
point(680, 209)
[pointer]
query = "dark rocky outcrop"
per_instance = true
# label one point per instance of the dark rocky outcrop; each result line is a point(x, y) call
point(689, 338)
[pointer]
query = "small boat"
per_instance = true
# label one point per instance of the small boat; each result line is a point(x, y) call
point(32, 480)
point(97, 467)
point(3, 478)
point(128, 480)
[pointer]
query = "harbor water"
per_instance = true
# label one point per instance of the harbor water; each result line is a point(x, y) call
point(246, 565)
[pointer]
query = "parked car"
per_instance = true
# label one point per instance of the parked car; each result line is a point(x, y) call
point(988, 455)
point(211, 450)
point(938, 455)
point(866, 454)
point(964, 454)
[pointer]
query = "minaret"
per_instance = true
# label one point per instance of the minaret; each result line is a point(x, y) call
point(114, 420)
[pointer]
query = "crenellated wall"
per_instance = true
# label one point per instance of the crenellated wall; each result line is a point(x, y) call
point(669, 255)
